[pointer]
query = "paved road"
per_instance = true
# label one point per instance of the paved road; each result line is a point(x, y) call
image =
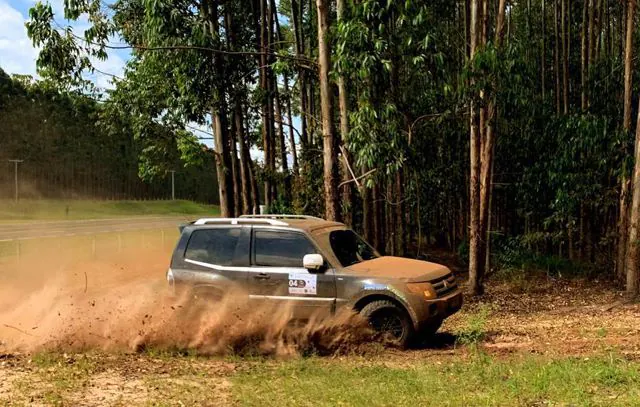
point(37, 230)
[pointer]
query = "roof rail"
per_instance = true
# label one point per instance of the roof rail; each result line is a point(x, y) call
point(237, 221)
point(276, 216)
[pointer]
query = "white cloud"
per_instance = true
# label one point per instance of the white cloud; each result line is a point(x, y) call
point(114, 65)
point(17, 54)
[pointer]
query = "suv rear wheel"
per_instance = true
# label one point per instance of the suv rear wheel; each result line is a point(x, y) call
point(388, 318)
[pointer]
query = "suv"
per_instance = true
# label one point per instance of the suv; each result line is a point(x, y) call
point(316, 266)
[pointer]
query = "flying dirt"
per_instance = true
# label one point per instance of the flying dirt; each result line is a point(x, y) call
point(55, 299)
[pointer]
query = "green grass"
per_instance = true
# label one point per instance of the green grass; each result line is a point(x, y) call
point(480, 381)
point(48, 209)
point(474, 379)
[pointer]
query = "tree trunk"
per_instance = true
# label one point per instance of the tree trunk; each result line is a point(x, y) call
point(235, 163)
point(278, 112)
point(271, 100)
point(598, 28)
point(628, 66)
point(467, 32)
point(475, 272)
point(400, 241)
point(223, 166)
point(543, 57)
point(633, 245)
point(220, 130)
point(557, 57)
point(377, 218)
point(283, 147)
point(255, 194)
point(266, 110)
point(486, 160)
point(332, 208)
point(244, 160)
point(235, 171)
point(347, 189)
point(584, 61)
point(296, 12)
point(487, 263)
point(367, 215)
point(623, 221)
point(251, 167)
point(242, 190)
point(565, 60)
point(389, 221)
point(591, 35)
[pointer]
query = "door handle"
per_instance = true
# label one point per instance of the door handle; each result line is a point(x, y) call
point(262, 276)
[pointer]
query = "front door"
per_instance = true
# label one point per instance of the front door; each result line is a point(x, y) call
point(279, 279)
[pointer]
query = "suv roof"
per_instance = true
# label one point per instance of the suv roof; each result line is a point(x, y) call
point(303, 222)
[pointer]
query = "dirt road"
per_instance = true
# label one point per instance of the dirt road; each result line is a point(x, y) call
point(39, 230)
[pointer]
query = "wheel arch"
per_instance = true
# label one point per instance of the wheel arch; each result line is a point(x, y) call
point(364, 301)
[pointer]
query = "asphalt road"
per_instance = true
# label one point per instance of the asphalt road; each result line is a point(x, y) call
point(45, 229)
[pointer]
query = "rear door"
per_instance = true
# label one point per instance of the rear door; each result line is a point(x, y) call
point(278, 277)
point(215, 260)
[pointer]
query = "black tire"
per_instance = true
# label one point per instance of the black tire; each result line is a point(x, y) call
point(388, 318)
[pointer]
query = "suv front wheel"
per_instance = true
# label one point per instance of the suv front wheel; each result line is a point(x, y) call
point(388, 318)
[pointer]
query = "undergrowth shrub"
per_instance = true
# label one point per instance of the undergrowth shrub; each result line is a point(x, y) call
point(474, 331)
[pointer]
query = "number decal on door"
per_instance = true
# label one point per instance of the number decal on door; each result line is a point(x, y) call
point(303, 283)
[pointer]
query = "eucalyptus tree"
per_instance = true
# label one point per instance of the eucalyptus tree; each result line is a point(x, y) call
point(623, 222)
point(177, 44)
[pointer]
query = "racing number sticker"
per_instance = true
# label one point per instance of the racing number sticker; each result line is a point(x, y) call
point(303, 283)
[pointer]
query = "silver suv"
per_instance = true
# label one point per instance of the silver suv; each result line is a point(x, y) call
point(315, 266)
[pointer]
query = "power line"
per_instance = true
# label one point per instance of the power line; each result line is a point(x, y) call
point(294, 58)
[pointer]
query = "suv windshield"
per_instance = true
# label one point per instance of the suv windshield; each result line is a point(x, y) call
point(350, 248)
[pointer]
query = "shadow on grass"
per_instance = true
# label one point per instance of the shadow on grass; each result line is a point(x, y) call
point(439, 341)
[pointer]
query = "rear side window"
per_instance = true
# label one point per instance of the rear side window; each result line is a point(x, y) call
point(213, 246)
point(280, 249)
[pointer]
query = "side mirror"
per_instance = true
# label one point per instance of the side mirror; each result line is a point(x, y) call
point(313, 262)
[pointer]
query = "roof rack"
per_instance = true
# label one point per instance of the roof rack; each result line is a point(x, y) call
point(277, 216)
point(237, 221)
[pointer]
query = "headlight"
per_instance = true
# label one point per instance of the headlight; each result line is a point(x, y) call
point(424, 289)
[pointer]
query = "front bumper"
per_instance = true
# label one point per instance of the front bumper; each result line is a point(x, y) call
point(439, 309)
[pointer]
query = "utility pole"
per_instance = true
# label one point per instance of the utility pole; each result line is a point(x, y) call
point(15, 166)
point(173, 185)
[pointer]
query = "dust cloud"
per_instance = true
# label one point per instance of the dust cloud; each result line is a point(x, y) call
point(59, 298)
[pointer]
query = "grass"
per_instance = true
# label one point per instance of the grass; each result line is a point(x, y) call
point(50, 209)
point(54, 379)
point(474, 379)
point(473, 331)
point(481, 381)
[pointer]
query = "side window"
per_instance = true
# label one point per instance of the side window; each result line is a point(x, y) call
point(213, 246)
point(280, 249)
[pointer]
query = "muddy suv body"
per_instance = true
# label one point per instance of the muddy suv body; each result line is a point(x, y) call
point(314, 266)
